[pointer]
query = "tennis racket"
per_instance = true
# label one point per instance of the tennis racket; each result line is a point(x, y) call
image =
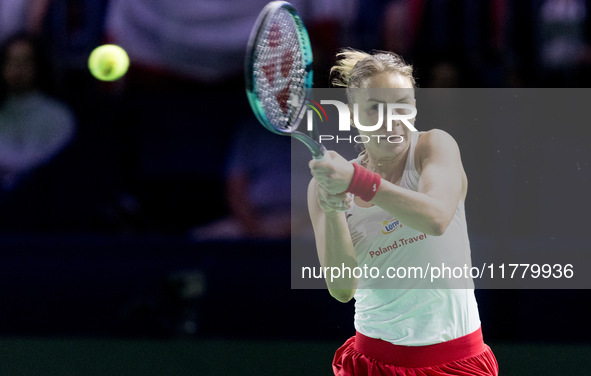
point(279, 72)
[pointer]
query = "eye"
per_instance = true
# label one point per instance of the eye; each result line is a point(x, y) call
point(403, 110)
point(372, 108)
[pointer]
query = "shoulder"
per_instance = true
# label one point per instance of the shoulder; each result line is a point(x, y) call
point(54, 104)
point(56, 110)
point(434, 140)
point(435, 137)
point(48, 105)
point(54, 118)
point(435, 143)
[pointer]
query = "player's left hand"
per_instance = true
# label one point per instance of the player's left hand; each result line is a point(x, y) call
point(332, 204)
point(333, 173)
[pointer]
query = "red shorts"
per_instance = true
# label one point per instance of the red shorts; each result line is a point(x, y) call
point(365, 356)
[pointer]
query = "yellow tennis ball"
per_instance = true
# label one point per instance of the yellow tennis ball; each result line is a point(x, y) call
point(108, 62)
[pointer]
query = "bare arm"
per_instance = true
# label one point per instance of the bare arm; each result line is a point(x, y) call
point(333, 240)
point(432, 207)
point(441, 185)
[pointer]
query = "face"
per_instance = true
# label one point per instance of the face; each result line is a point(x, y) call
point(19, 68)
point(372, 104)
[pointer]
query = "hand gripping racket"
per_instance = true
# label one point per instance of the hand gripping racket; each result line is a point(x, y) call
point(279, 72)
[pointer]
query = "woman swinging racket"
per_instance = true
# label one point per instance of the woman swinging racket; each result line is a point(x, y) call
point(416, 188)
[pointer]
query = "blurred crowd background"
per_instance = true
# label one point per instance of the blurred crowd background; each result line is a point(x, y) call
point(130, 156)
point(149, 206)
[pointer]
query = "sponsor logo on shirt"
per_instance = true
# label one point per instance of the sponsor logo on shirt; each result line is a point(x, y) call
point(390, 226)
point(398, 243)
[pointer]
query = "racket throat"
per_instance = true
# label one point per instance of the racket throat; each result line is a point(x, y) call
point(316, 149)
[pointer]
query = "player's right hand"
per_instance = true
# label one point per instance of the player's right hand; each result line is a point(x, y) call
point(332, 172)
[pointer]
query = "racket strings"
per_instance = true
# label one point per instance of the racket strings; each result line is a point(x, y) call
point(279, 73)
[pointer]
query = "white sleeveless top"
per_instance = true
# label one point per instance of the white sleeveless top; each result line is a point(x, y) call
point(410, 317)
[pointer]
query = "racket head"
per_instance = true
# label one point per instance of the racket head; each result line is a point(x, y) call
point(278, 68)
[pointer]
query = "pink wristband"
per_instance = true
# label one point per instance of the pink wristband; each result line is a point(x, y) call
point(364, 183)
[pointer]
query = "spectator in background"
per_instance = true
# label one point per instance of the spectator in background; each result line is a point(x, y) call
point(562, 46)
point(444, 73)
point(401, 24)
point(185, 97)
point(205, 40)
point(22, 16)
point(257, 187)
point(34, 127)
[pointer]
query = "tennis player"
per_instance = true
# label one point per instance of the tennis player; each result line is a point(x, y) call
point(413, 189)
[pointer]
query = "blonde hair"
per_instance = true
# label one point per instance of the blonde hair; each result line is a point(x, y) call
point(353, 67)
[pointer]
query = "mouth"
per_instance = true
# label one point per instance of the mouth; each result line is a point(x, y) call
point(394, 138)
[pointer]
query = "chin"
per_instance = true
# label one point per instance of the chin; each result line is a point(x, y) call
point(399, 147)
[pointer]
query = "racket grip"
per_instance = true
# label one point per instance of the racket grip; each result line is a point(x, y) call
point(320, 154)
point(320, 157)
